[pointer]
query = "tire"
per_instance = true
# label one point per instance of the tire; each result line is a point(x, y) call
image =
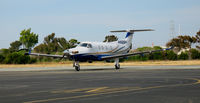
point(117, 66)
point(77, 68)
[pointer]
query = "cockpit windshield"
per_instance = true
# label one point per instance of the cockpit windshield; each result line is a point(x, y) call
point(85, 45)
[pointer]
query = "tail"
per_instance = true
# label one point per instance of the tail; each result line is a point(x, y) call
point(129, 35)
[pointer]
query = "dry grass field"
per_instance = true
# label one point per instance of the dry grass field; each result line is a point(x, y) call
point(135, 63)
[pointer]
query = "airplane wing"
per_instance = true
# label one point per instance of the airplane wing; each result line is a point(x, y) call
point(132, 54)
point(45, 55)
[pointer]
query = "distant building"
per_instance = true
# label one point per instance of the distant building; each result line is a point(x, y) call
point(183, 50)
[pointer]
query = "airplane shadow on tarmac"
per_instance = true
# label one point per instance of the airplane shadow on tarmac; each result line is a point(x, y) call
point(96, 69)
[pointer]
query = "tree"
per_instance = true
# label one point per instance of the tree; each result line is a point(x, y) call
point(17, 58)
point(73, 43)
point(28, 38)
point(194, 54)
point(1, 58)
point(42, 48)
point(110, 38)
point(182, 42)
point(53, 44)
point(183, 56)
point(5, 52)
point(171, 55)
point(198, 39)
point(144, 49)
point(14, 46)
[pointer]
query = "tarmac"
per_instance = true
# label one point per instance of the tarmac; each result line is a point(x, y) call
point(101, 84)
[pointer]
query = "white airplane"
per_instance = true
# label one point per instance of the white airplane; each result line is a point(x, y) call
point(100, 51)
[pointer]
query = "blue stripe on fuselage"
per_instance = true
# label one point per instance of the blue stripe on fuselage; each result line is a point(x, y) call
point(87, 57)
point(119, 49)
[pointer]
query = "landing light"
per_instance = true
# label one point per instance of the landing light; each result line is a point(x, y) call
point(75, 52)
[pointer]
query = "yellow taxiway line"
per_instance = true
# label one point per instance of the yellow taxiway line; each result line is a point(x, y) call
point(106, 90)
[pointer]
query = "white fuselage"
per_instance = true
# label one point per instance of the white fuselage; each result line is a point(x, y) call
point(96, 50)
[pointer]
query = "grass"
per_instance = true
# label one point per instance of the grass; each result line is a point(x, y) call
point(134, 63)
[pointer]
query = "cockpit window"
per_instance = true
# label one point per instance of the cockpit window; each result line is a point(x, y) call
point(85, 45)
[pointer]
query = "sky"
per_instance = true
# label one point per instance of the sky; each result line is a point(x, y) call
point(91, 20)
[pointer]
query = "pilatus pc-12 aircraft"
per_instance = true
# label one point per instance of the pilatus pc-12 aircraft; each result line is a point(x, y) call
point(100, 51)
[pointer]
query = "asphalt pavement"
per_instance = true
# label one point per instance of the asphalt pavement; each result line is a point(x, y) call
point(101, 84)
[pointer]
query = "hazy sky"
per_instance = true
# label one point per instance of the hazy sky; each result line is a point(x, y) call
point(91, 20)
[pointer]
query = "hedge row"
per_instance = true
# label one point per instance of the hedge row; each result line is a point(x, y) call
point(16, 58)
point(167, 55)
point(20, 58)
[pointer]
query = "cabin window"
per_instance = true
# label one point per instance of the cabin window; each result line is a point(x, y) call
point(102, 47)
point(99, 47)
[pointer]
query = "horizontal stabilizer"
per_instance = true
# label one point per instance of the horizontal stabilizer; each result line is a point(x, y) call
point(132, 31)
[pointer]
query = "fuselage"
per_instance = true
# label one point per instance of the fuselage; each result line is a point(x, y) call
point(93, 51)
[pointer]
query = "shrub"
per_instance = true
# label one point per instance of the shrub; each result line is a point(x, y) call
point(156, 56)
point(17, 58)
point(1, 59)
point(183, 56)
point(138, 58)
point(170, 55)
point(194, 54)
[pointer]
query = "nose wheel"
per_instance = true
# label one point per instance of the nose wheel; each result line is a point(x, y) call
point(77, 68)
point(117, 66)
point(76, 65)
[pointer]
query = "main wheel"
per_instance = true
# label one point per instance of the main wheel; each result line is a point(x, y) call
point(117, 66)
point(77, 68)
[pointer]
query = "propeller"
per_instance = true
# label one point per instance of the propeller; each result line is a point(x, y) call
point(66, 55)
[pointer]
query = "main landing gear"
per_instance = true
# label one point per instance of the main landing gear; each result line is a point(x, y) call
point(117, 65)
point(76, 65)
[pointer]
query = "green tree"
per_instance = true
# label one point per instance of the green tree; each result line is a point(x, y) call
point(144, 49)
point(156, 56)
point(198, 39)
point(183, 56)
point(73, 43)
point(53, 44)
point(5, 52)
point(171, 55)
point(182, 42)
point(28, 38)
point(110, 38)
point(194, 54)
point(17, 58)
point(157, 48)
point(1, 58)
point(15, 46)
point(42, 48)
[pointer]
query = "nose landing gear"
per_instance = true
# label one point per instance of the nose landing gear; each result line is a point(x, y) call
point(76, 65)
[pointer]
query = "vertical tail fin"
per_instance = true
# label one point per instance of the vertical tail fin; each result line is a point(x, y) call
point(129, 37)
